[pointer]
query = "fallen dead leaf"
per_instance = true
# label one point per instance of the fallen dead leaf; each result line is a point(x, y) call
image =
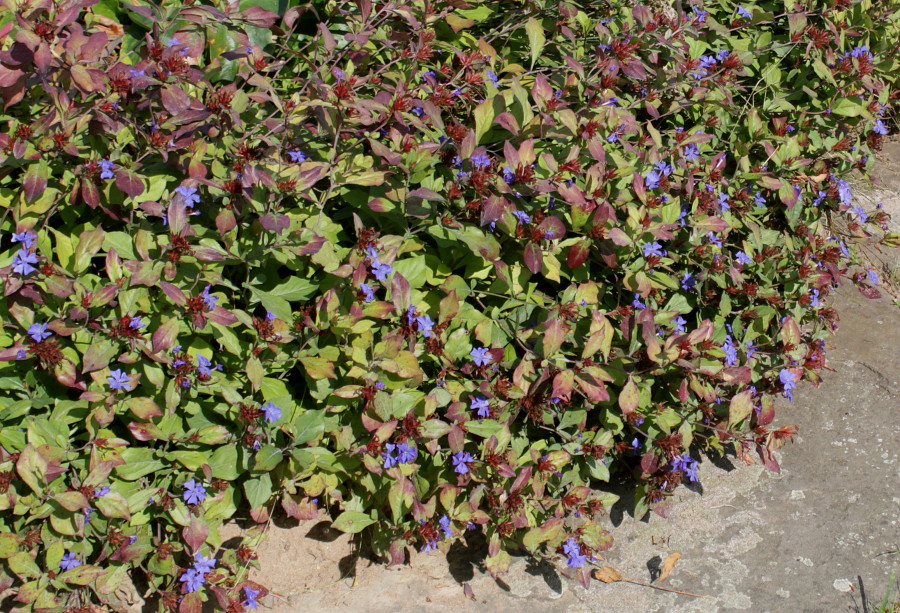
point(110, 26)
point(669, 565)
point(607, 574)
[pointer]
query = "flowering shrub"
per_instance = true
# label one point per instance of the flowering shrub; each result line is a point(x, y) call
point(430, 267)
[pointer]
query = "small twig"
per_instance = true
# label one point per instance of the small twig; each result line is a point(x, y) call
point(665, 589)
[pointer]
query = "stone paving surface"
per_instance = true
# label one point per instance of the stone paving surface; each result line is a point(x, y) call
point(753, 541)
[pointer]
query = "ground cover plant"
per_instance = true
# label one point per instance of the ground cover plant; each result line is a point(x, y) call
point(434, 267)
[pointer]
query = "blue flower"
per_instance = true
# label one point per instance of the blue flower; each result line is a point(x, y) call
point(723, 202)
point(390, 460)
point(636, 303)
point(715, 240)
point(379, 385)
point(679, 324)
point(251, 595)
point(21, 354)
point(444, 522)
point(194, 493)
point(26, 238)
point(481, 160)
point(691, 152)
point(425, 324)
point(368, 291)
point(381, 270)
point(188, 194)
point(203, 564)
point(118, 380)
point(203, 366)
point(481, 356)
point(789, 381)
point(208, 300)
point(407, 453)
point(481, 406)
point(872, 276)
point(508, 175)
point(22, 262)
point(731, 354)
point(136, 73)
point(101, 491)
point(653, 248)
point(493, 77)
point(271, 412)
point(844, 192)
point(688, 281)
point(38, 332)
point(461, 460)
point(522, 216)
point(743, 258)
point(814, 298)
point(701, 14)
point(172, 42)
point(192, 579)
point(69, 561)
point(744, 12)
point(136, 323)
point(297, 156)
point(106, 169)
point(651, 181)
point(663, 167)
point(574, 557)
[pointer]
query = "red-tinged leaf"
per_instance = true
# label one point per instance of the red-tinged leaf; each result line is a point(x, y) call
point(790, 332)
point(522, 479)
point(508, 121)
point(145, 431)
point(174, 99)
point(553, 338)
point(35, 181)
point(578, 254)
point(618, 237)
point(195, 534)
point(165, 335)
point(563, 384)
point(68, 375)
point(712, 224)
point(71, 501)
point(274, 222)
point(225, 221)
point(400, 293)
point(591, 387)
point(869, 292)
point(318, 368)
point(143, 408)
point(767, 411)
point(82, 79)
point(740, 408)
point(735, 374)
point(649, 462)
point(629, 397)
point(129, 183)
point(104, 295)
point(209, 254)
point(534, 258)
point(174, 293)
point(82, 575)
point(259, 17)
point(768, 459)
point(222, 316)
point(191, 603)
point(313, 246)
point(635, 70)
point(90, 194)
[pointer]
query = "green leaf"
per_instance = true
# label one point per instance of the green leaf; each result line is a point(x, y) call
point(741, 406)
point(352, 522)
point(280, 307)
point(294, 289)
point(258, 490)
point(849, 107)
point(308, 426)
point(318, 368)
point(536, 38)
point(267, 458)
point(9, 544)
point(484, 116)
point(22, 564)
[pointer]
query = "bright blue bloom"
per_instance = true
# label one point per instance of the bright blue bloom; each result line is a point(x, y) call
point(723, 202)
point(751, 351)
point(188, 194)
point(789, 381)
point(612, 137)
point(407, 453)
point(368, 291)
point(106, 169)
point(481, 356)
point(860, 212)
point(209, 301)
point(38, 332)
point(508, 175)
point(688, 281)
point(21, 354)
point(715, 240)
point(493, 77)
point(192, 579)
point(270, 315)
point(203, 366)
point(814, 298)
point(653, 248)
point(271, 412)
point(26, 238)
point(194, 493)
point(731, 354)
point(663, 167)
point(172, 42)
point(691, 152)
point(69, 561)
point(844, 192)
point(636, 303)
point(381, 270)
point(701, 14)
point(575, 559)
point(101, 491)
point(522, 216)
point(390, 460)
point(651, 181)
point(203, 564)
point(425, 324)
point(444, 522)
point(744, 12)
point(481, 406)
point(379, 385)
point(136, 323)
point(428, 73)
point(461, 461)
point(118, 380)
point(22, 262)
point(481, 160)
point(743, 258)
point(136, 73)
point(819, 198)
point(759, 200)
point(297, 156)
point(251, 595)
point(872, 276)
point(679, 324)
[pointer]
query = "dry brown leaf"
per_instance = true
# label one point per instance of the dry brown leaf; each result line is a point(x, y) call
point(607, 574)
point(110, 26)
point(668, 565)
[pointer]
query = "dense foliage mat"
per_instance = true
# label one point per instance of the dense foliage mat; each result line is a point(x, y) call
point(434, 267)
